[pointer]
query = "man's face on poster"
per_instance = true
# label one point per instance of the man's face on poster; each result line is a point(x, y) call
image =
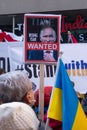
point(48, 35)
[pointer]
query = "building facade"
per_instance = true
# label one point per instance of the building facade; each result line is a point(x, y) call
point(74, 18)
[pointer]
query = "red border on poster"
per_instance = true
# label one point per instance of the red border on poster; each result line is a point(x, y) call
point(33, 47)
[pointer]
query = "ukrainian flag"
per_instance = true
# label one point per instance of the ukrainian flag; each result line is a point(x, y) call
point(64, 104)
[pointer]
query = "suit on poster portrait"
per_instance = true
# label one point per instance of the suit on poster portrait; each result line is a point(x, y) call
point(39, 55)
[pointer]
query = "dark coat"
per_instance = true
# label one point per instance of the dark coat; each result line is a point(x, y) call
point(38, 55)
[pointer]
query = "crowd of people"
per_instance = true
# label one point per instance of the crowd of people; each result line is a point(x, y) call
point(16, 103)
point(19, 104)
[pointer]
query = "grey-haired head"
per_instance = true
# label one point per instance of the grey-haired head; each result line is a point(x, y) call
point(18, 85)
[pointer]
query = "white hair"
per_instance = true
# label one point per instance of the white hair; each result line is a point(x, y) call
point(16, 81)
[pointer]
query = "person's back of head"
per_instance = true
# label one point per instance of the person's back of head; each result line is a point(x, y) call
point(18, 116)
point(17, 82)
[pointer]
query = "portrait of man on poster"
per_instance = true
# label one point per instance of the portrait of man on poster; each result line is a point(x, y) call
point(47, 35)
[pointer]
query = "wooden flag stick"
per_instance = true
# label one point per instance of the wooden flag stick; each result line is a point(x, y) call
point(41, 93)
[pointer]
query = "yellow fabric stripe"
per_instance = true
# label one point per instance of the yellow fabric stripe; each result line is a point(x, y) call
point(55, 109)
point(80, 122)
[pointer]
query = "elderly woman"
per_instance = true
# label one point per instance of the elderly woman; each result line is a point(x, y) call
point(16, 86)
point(17, 96)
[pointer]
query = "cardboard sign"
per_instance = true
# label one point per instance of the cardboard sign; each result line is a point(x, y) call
point(41, 38)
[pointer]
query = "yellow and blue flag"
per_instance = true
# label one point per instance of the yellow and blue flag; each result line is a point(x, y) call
point(64, 104)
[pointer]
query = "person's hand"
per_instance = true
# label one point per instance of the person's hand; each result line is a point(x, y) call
point(48, 57)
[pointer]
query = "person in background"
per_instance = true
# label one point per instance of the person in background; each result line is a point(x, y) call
point(54, 124)
point(84, 103)
point(47, 35)
point(47, 94)
point(79, 95)
point(2, 71)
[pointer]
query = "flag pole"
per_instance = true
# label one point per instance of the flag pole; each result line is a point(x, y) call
point(41, 93)
point(47, 123)
point(60, 54)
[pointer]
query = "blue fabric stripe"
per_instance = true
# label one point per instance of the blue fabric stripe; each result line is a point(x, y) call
point(58, 81)
point(68, 110)
point(69, 98)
